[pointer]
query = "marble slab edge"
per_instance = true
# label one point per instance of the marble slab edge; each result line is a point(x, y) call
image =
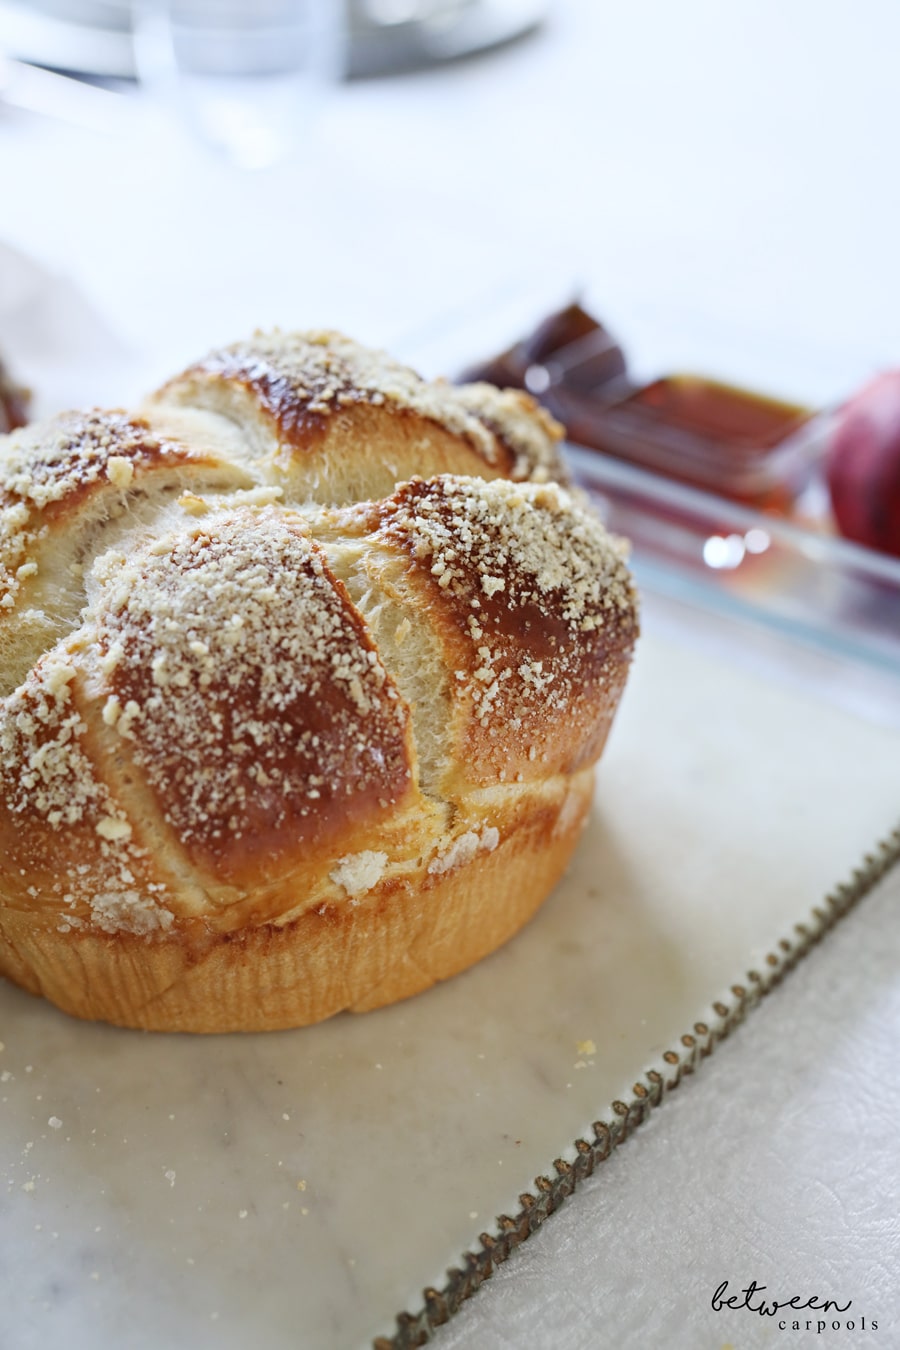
point(623, 1117)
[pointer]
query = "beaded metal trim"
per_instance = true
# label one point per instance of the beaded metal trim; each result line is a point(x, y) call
point(415, 1329)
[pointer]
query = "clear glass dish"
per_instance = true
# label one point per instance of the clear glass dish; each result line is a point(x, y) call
point(696, 547)
point(700, 549)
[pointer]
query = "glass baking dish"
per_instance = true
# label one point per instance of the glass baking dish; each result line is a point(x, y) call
point(708, 432)
point(694, 546)
point(661, 426)
point(699, 548)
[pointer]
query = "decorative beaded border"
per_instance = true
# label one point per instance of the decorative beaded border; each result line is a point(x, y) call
point(415, 1329)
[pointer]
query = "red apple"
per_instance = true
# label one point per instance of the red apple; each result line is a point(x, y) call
point(863, 465)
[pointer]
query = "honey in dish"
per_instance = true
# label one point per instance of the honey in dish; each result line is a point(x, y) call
point(735, 418)
point(727, 440)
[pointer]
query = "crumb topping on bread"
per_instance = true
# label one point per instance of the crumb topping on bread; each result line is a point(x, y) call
point(523, 425)
point(43, 766)
point(532, 578)
point(48, 462)
point(245, 682)
point(49, 781)
point(530, 541)
point(319, 373)
point(48, 467)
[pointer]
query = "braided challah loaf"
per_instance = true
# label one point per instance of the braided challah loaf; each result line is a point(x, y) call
point(304, 671)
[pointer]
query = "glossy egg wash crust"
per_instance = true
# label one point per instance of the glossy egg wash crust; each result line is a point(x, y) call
point(304, 670)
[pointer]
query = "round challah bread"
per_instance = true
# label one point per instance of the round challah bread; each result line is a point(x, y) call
point(304, 670)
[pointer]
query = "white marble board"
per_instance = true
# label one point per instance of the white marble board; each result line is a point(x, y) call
point(299, 1189)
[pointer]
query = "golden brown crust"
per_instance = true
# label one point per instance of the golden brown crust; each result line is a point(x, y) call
point(67, 488)
point(334, 421)
point(537, 616)
point(403, 936)
point(266, 726)
point(263, 758)
point(52, 470)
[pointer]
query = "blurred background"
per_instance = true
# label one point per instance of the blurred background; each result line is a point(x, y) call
point(715, 183)
point(697, 169)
